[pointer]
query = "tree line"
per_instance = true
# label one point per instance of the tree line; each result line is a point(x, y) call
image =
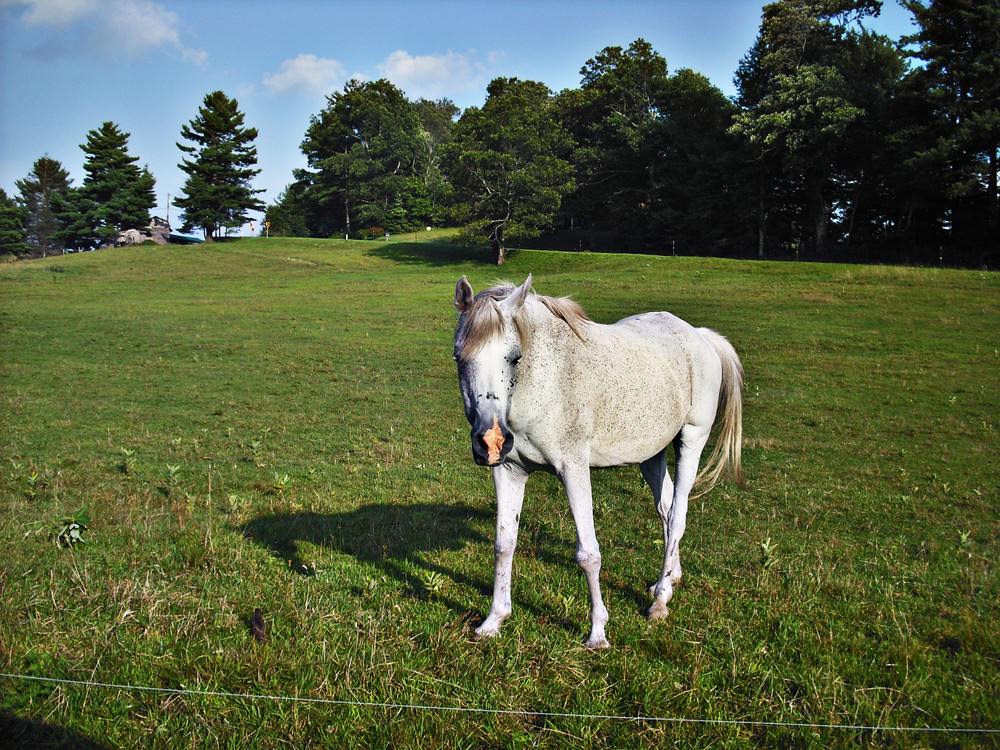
point(838, 141)
point(51, 216)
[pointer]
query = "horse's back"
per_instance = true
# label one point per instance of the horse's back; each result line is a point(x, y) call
point(656, 324)
point(670, 339)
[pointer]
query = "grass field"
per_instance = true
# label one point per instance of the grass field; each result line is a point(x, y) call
point(277, 424)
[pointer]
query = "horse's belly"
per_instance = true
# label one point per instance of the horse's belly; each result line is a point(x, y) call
point(632, 436)
point(608, 456)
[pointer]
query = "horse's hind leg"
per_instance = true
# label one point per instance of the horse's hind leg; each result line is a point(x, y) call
point(654, 471)
point(688, 446)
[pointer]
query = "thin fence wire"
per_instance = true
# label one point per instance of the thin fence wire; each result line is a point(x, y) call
point(497, 711)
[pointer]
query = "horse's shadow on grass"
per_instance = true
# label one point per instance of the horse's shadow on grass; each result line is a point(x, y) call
point(400, 542)
point(371, 533)
point(34, 733)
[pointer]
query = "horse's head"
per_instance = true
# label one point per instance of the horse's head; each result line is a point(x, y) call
point(487, 350)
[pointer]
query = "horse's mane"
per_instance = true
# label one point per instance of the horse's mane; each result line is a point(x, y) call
point(482, 321)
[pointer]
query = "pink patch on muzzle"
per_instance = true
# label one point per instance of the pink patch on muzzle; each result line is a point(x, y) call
point(494, 441)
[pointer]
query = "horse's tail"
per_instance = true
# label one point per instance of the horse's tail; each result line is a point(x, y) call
point(728, 452)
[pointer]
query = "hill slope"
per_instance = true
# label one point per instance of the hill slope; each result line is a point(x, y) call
point(276, 424)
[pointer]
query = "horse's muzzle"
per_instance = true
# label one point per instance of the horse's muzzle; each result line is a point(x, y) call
point(491, 442)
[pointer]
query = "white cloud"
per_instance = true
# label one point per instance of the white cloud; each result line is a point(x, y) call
point(116, 28)
point(431, 76)
point(198, 56)
point(138, 25)
point(306, 75)
point(58, 12)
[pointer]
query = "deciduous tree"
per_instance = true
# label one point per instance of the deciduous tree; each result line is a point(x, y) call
point(612, 118)
point(698, 191)
point(799, 105)
point(437, 119)
point(508, 162)
point(368, 158)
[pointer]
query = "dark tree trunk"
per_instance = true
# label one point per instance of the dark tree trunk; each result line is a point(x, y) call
point(761, 218)
point(496, 239)
point(817, 216)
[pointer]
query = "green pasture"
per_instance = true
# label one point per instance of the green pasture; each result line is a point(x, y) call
point(276, 424)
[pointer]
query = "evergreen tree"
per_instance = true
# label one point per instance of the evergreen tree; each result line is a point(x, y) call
point(116, 195)
point(47, 179)
point(612, 118)
point(12, 235)
point(287, 215)
point(74, 212)
point(960, 42)
point(217, 193)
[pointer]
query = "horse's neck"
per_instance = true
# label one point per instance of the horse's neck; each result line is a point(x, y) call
point(545, 333)
point(539, 327)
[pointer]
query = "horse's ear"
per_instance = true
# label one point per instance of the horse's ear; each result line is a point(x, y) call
point(463, 295)
point(519, 295)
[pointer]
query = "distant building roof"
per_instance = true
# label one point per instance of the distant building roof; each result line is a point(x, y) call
point(184, 239)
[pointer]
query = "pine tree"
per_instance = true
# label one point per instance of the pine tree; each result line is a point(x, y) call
point(217, 192)
point(11, 227)
point(47, 178)
point(960, 42)
point(71, 209)
point(116, 195)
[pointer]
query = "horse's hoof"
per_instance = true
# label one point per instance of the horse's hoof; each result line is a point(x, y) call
point(597, 639)
point(484, 634)
point(657, 612)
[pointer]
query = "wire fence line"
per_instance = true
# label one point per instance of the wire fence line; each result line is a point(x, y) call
point(495, 711)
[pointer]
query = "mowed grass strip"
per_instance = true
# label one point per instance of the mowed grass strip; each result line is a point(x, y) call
point(276, 424)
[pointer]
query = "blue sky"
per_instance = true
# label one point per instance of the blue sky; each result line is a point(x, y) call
point(66, 66)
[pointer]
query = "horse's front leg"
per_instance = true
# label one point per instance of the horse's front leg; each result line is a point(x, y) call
point(588, 554)
point(509, 481)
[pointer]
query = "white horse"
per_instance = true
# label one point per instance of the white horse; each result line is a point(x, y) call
point(546, 388)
